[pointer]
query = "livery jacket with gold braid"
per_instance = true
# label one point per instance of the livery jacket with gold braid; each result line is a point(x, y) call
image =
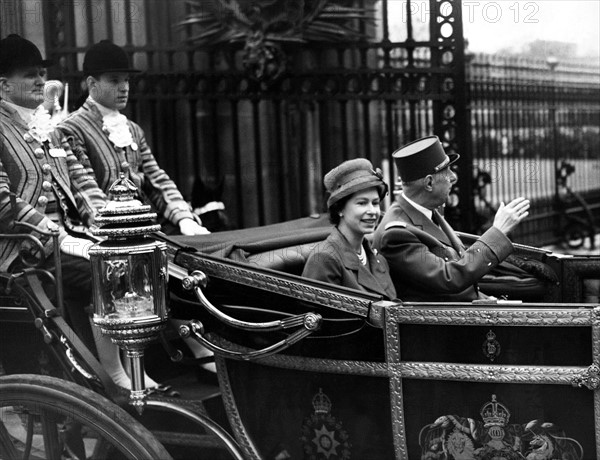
point(423, 263)
point(34, 171)
point(83, 129)
point(335, 262)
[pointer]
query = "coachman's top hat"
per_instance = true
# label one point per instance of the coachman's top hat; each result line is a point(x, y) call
point(105, 57)
point(16, 53)
point(422, 157)
point(352, 176)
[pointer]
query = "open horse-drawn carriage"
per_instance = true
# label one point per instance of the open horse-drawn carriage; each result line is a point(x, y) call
point(311, 370)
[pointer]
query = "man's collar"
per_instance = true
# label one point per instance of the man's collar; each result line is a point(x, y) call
point(104, 111)
point(427, 212)
point(24, 112)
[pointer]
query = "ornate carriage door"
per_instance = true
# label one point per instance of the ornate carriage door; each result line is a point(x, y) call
point(495, 381)
point(272, 120)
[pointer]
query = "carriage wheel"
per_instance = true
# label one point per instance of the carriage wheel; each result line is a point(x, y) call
point(44, 417)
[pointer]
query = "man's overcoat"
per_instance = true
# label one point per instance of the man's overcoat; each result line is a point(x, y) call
point(423, 263)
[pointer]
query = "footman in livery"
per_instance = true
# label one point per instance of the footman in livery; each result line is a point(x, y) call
point(109, 144)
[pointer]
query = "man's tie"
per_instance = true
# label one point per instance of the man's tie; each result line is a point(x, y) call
point(439, 220)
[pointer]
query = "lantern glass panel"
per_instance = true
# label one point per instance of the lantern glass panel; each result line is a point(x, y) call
point(127, 285)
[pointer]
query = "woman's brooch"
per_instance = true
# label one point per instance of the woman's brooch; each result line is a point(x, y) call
point(378, 173)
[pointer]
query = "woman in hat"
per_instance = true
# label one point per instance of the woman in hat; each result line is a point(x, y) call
point(346, 258)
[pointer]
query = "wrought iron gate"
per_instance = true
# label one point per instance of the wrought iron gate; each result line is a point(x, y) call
point(272, 142)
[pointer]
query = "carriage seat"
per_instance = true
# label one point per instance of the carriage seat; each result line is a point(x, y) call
point(288, 259)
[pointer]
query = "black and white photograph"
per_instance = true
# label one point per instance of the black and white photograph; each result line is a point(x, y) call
point(300, 229)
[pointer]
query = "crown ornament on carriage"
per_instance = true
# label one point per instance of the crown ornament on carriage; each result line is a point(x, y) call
point(494, 413)
point(124, 216)
point(321, 403)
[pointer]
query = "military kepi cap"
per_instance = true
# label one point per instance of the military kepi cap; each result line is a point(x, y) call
point(16, 53)
point(105, 57)
point(422, 157)
point(353, 176)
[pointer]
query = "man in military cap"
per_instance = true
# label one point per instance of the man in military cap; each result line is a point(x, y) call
point(426, 258)
point(41, 182)
point(109, 144)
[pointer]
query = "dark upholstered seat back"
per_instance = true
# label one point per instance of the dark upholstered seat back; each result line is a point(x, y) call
point(289, 260)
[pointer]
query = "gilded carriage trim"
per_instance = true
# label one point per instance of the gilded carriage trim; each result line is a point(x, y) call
point(597, 418)
point(596, 335)
point(498, 316)
point(278, 283)
point(393, 352)
point(398, 424)
point(332, 366)
point(584, 315)
point(233, 415)
point(589, 379)
point(392, 339)
point(596, 358)
point(556, 375)
point(365, 368)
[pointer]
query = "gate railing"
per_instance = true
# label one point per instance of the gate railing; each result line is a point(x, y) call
point(526, 117)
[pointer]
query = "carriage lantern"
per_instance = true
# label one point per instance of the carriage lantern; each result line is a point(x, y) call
point(129, 278)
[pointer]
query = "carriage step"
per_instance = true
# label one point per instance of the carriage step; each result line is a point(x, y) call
point(207, 441)
point(184, 436)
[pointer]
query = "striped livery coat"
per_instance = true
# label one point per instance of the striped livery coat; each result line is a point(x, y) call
point(83, 129)
point(32, 171)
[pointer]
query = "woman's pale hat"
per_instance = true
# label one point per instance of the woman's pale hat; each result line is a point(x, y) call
point(352, 176)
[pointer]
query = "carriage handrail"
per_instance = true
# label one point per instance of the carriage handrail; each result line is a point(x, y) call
point(52, 232)
point(311, 322)
point(198, 280)
point(304, 289)
point(195, 329)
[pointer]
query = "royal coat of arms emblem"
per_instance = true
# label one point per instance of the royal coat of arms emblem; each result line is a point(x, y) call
point(452, 437)
point(323, 437)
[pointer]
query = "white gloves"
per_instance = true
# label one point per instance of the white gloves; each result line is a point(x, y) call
point(189, 227)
